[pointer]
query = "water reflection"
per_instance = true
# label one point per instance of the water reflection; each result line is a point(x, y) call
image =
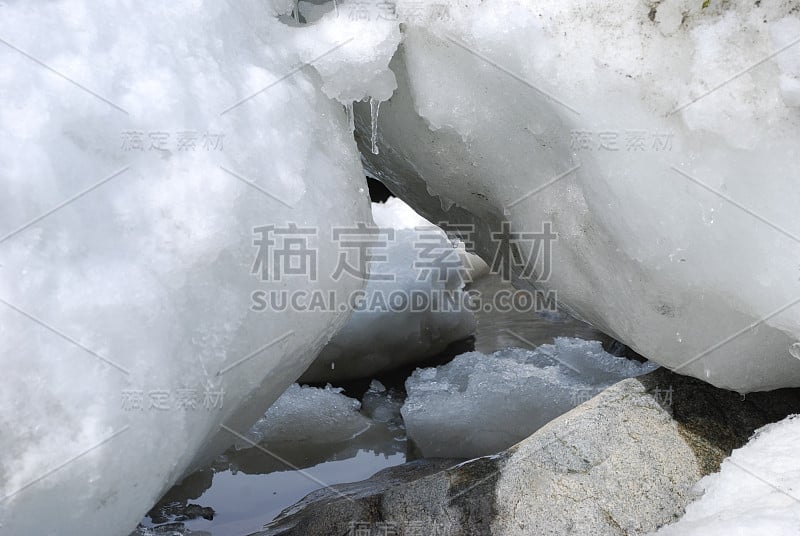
point(247, 487)
point(497, 330)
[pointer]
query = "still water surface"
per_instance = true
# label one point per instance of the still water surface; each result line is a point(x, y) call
point(247, 488)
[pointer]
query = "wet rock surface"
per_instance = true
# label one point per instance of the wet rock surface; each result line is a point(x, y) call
point(625, 462)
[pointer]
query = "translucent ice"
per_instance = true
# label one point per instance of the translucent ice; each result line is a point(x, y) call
point(481, 404)
point(317, 416)
point(659, 138)
point(309, 415)
point(141, 145)
point(375, 108)
point(382, 404)
point(413, 305)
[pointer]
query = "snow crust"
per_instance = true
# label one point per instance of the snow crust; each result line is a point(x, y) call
point(481, 404)
point(755, 491)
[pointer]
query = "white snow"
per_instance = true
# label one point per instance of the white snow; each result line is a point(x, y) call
point(397, 214)
point(658, 137)
point(394, 213)
point(120, 304)
point(419, 262)
point(481, 404)
point(352, 54)
point(756, 492)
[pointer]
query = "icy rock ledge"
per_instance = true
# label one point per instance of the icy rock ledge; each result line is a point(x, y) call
point(659, 138)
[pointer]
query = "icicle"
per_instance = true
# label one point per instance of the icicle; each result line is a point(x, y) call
point(446, 203)
point(375, 108)
point(351, 119)
point(296, 11)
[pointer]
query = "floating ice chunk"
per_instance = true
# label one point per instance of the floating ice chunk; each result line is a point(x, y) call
point(480, 404)
point(755, 492)
point(309, 415)
point(383, 405)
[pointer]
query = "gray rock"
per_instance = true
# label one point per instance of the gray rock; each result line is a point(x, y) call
point(624, 462)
